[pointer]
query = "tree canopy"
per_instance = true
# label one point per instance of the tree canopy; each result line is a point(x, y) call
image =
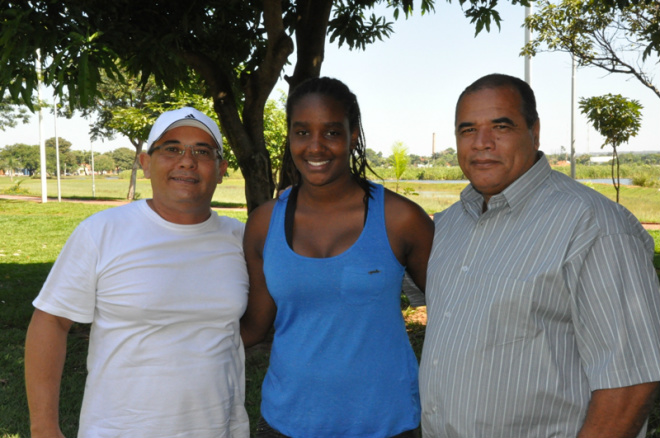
point(615, 118)
point(129, 106)
point(11, 114)
point(619, 40)
point(22, 156)
point(62, 144)
point(236, 48)
point(103, 163)
point(123, 158)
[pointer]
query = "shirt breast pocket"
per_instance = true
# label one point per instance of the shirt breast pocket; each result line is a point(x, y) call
point(362, 284)
point(504, 309)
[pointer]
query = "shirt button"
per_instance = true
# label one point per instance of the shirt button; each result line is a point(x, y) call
point(464, 269)
point(447, 314)
point(435, 362)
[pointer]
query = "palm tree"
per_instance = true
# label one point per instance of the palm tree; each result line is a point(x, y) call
point(10, 163)
point(399, 160)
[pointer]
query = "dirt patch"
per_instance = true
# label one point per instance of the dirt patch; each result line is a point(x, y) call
point(86, 201)
point(416, 315)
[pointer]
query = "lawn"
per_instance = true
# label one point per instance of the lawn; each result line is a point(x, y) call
point(33, 235)
point(231, 192)
point(643, 202)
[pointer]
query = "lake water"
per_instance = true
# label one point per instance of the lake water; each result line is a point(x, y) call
point(624, 181)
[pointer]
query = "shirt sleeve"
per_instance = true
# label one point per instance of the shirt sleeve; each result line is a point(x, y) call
point(70, 289)
point(616, 312)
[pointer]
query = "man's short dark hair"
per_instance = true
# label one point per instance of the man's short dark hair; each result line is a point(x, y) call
point(498, 80)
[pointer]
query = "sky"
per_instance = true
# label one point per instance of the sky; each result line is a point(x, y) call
point(407, 87)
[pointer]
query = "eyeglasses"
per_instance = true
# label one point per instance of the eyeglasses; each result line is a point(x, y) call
point(201, 152)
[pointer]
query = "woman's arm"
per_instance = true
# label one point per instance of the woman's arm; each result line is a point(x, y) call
point(261, 309)
point(410, 230)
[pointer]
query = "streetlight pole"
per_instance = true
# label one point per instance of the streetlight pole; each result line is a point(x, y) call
point(573, 116)
point(42, 143)
point(528, 38)
point(91, 146)
point(57, 153)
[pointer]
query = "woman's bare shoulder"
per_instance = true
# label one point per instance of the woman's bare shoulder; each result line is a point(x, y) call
point(259, 220)
point(402, 206)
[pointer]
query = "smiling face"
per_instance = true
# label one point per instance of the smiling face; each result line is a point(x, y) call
point(494, 145)
point(320, 139)
point(183, 186)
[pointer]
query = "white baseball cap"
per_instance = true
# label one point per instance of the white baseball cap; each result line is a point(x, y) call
point(185, 116)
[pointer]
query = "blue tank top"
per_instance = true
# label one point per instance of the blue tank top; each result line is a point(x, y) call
point(341, 364)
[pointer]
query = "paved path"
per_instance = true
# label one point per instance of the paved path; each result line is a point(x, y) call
point(115, 202)
point(90, 201)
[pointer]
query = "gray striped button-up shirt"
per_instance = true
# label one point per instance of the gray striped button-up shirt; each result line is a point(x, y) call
point(547, 296)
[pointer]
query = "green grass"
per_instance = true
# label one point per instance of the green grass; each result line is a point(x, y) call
point(642, 172)
point(231, 193)
point(32, 235)
point(643, 202)
point(431, 197)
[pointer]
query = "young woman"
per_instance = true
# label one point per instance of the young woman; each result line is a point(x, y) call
point(326, 261)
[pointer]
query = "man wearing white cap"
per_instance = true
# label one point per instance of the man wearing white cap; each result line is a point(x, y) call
point(163, 283)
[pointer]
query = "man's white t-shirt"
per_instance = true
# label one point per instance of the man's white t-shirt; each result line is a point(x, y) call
point(165, 355)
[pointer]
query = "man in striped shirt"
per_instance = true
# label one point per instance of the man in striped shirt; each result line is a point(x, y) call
point(543, 303)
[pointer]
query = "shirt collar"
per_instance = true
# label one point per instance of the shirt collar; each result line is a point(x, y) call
point(513, 195)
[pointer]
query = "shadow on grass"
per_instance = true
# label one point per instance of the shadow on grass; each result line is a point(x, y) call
point(217, 204)
point(92, 198)
point(19, 285)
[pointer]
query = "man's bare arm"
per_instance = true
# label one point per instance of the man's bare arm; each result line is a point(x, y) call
point(45, 351)
point(619, 412)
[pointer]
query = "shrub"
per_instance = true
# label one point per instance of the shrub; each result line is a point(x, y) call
point(646, 176)
point(16, 189)
point(438, 173)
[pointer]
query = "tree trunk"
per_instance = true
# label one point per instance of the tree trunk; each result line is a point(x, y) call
point(259, 184)
point(616, 182)
point(136, 166)
point(246, 135)
point(313, 18)
point(246, 139)
point(311, 30)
